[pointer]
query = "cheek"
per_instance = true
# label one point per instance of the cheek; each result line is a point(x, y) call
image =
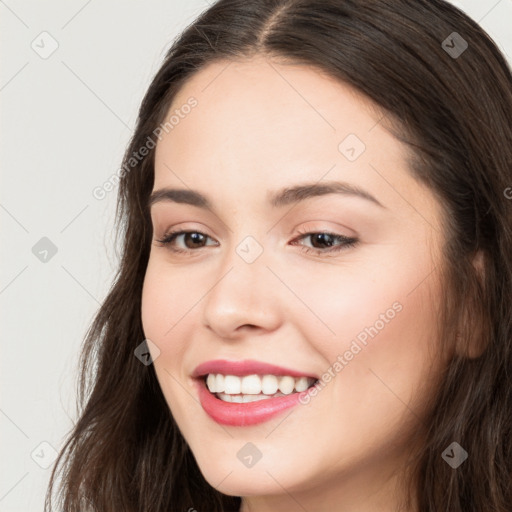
point(365, 303)
point(378, 333)
point(166, 313)
point(163, 305)
point(166, 297)
point(378, 362)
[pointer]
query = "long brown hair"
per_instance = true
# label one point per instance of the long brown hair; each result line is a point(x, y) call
point(452, 106)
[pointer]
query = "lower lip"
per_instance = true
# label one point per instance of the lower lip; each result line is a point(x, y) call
point(244, 414)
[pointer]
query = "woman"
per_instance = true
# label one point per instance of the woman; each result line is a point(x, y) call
point(313, 307)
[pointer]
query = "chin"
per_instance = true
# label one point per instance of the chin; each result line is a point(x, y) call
point(229, 476)
point(245, 483)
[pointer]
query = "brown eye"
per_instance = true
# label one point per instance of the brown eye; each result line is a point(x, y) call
point(191, 239)
point(322, 239)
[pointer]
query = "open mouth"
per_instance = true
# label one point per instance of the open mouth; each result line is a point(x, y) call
point(253, 388)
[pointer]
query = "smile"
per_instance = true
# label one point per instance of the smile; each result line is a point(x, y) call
point(248, 392)
point(232, 388)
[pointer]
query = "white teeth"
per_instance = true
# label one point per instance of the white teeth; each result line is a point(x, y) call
point(244, 398)
point(301, 384)
point(286, 384)
point(255, 385)
point(211, 382)
point(269, 384)
point(251, 385)
point(254, 398)
point(232, 384)
point(224, 397)
point(219, 383)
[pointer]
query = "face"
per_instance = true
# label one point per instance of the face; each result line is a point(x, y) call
point(264, 284)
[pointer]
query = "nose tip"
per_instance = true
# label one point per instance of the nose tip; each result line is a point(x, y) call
point(241, 302)
point(227, 330)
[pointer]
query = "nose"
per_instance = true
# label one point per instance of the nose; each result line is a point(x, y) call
point(242, 298)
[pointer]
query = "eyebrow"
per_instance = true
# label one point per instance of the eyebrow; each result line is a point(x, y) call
point(277, 199)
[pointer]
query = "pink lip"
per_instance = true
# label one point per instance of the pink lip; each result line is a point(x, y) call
point(246, 367)
point(241, 415)
point(244, 414)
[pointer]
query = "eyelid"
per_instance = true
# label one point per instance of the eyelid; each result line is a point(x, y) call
point(319, 226)
point(305, 229)
point(331, 251)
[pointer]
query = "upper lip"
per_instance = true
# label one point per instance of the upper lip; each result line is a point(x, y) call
point(245, 367)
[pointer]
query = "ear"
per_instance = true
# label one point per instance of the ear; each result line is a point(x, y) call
point(471, 340)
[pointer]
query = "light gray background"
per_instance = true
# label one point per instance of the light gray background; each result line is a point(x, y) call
point(66, 120)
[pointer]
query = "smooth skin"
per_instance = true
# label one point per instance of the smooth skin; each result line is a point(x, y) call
point(262, 125)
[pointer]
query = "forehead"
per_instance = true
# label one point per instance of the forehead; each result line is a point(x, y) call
point(259, 125)
point(260, 90)
point(260, 110)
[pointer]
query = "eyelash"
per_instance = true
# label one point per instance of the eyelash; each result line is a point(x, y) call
point(347, 242)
